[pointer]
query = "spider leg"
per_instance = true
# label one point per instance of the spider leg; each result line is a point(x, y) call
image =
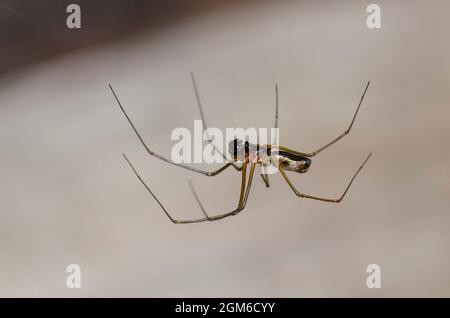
point(206, 173)
point(302, 195)
point(205, 126)
point(276, 113)
point(159, 202)
point(345, 133)
point(242, 199)
point(265, 176)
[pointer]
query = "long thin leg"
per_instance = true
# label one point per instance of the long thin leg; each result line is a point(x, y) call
point(276, 113)
point(205, 126)
point(345, 133)
point(348, 129)
point(243, 195)
point(265, 176)
point(206, 173)
point(159, 202)
point(242, 201)
point(302, 195)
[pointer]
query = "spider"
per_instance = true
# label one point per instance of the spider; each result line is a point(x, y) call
point(250, 155)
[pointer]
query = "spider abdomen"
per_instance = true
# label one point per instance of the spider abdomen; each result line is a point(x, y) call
point(293, 162)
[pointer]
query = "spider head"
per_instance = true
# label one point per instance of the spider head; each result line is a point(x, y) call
point(238, 149)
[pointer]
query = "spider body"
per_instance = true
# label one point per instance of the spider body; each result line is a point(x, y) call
point(266, 155)
point(245, 157)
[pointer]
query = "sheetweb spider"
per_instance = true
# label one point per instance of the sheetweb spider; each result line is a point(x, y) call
point(250, 155)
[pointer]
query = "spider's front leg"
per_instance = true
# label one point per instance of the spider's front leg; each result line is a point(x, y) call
point(170, 161)
point(245, 190)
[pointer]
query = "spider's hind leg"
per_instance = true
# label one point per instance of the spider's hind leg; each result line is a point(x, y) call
point(307, 196)
point(347, 131)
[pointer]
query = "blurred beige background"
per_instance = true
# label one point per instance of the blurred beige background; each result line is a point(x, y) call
point(67, 195)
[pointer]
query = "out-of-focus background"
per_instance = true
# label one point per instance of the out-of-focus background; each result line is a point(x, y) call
point(67, 196)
